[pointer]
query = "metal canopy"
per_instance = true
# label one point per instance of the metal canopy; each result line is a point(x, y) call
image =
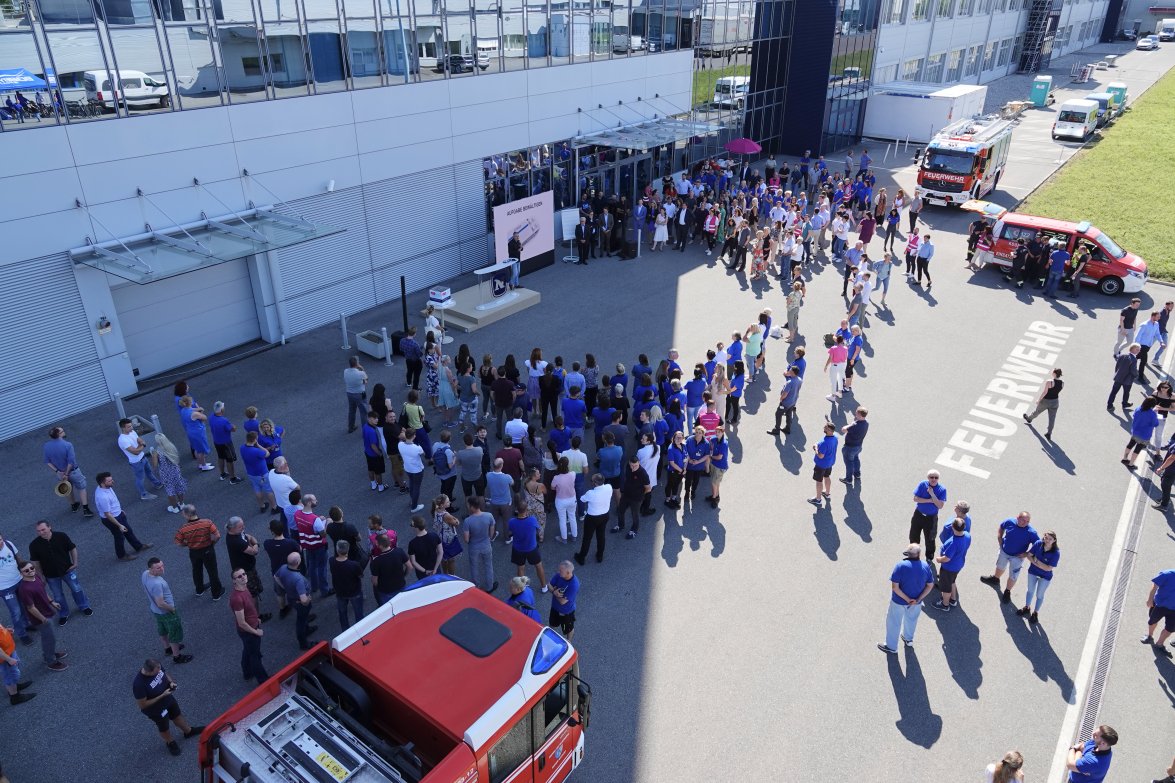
point(647, 135)
point(158, 255)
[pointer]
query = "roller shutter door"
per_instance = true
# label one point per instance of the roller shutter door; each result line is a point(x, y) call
point(48, 363)
point(182, 319)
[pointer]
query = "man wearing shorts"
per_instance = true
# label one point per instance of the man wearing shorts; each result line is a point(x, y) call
point(1016, 537)
point(1161, 603)
point(950, 562)
point(564, 589)
point(254, 458)
point(10, 669)
point(526, 534)
point(61, 459)
point(929, 497)
point(719, 463)
point(162, 605)
point(824, 457)
point(222, 441)
point(154, 692)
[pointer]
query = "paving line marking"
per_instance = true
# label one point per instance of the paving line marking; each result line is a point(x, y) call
point(1098, 623)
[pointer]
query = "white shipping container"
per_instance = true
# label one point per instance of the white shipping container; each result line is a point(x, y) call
point(902, 110)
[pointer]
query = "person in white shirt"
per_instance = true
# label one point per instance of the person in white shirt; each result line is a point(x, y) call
point(598, 502)
point(136, 454)
point(112, 516)
point(721, 357)
point(516, 428)
point(281, 482)
point(776, 213)
point(413, 456)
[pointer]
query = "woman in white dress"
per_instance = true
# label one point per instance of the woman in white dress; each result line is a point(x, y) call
point(661, 232)
point(719, 387)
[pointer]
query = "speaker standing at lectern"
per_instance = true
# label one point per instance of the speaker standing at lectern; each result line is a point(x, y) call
point(514, 250)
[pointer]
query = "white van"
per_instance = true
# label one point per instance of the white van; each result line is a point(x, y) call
point(129, 88)
point(1076, 119)
point(730, 92)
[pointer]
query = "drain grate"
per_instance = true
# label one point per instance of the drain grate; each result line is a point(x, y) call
point(1109, 634)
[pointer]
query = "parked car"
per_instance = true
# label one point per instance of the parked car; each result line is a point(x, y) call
point(125, 88)
point(1147, 44)
point(1110, 268)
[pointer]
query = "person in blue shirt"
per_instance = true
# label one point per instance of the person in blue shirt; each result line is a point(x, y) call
point(735, 352)
point(800, 362)
point(675, 460)
point(522, 598)
point(619, 379)
point(929, 497)
point(1089, 761)
point(559, 435)
point(374, 452)
point(1142, 427)
point(574, 411)
point(1042, 561)
point(526, 534)
point(910, 582)
point(789, 397)
point(1161, 603)
point(719, 464)
point(710, 364)
point(951, 561)
point(639, 371)
point(611, 461)
point(854, 440)
point(258, 472)
point(1016, 537)
point(694, 389)
point(824, 457)
point(1058, 260)
point(601, 418)
point(738, 381)
point(564, 591)
point(697, 461)
point(574, 378)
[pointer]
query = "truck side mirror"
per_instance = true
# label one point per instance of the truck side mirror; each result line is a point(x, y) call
point(585, 703)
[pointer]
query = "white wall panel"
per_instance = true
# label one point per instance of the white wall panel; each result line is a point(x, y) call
point(266, 119)
point(113, 180)
point(35, 152)
point(487, 88)
point(96, 142)
point(390, 132)
point(273, 153)
point(402, 100)
point(26, 196)
point(399, 161)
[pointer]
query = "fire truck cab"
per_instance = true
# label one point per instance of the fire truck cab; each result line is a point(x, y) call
point(965, 160)
point(442, 684)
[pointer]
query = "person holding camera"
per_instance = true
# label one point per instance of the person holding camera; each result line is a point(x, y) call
point(154, 692)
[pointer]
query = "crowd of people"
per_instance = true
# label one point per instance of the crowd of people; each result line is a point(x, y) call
point(569, 440)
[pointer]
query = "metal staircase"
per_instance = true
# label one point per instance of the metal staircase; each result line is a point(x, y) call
point(1031, 59)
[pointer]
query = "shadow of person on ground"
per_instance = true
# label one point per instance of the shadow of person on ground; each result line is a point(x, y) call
point(917, 722)
point(856, 517)
point(825, 532)
point(960, 646)
point(1033, 643)
point(673, 539)
point(1054, 452)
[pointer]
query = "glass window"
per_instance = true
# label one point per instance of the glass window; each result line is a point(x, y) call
point(137, 53)
point(538, 34)
point(288, 62)
point(989, 56)
point(893, 12)
point(919, 10)
point(954, 65)
point(19, 50)
point(556, 706)
point(911, 69)
point(513, 42)
point(363, 55)
point(325, 48)
point(887, 73)
point(966, 7)
point(946, 9)
point(488, 40)
point(971, 67)
point(399, 41)
point(934, 67)
point(430, 41)
point(512, 751)
point(196, 76)
point(1005, 52)
point(78, 58)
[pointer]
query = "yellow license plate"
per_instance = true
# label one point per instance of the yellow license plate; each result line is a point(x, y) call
point(333, 767)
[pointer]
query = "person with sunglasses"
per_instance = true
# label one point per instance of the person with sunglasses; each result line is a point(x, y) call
point(248, 624)
point(40, 609)
point(929, 497)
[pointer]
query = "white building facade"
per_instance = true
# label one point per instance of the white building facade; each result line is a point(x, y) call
point(973, 41)
point(250, 211)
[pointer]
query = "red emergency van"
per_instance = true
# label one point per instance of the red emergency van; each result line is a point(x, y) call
point(1110, 268)
point(442, 684)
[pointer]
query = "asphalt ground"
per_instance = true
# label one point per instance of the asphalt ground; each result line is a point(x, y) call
point(730, 645)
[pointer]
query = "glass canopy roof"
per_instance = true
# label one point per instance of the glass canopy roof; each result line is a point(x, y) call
point(647, 135)
point(158, 255)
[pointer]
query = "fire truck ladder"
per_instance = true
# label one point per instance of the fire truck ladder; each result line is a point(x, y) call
point(1034, 34)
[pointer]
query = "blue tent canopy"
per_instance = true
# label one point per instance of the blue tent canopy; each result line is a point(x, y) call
point(19, 79)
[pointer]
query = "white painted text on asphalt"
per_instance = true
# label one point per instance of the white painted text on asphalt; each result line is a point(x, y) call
point(1009, 395)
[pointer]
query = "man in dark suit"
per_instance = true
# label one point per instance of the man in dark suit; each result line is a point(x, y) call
point(583, 236)
point(593, 224)
point(514, 250)
point(607, 226)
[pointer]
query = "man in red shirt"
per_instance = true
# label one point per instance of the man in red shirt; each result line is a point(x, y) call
point(511, 457)
point(248, 623)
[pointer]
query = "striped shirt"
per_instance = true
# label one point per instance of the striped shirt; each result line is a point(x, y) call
point(197, 534)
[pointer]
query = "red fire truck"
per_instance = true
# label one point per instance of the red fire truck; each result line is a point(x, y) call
point(442, 684)
point(965, 160)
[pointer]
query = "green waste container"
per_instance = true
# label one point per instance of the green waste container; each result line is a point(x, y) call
point(1041, 87)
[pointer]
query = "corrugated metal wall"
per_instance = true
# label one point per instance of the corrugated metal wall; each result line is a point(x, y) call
point(428, 226)
point(48, 362)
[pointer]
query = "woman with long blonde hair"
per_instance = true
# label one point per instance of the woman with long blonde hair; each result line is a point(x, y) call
point(1007, 769)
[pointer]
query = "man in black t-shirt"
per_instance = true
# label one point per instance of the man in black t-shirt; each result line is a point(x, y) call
point(424, 550)
point(56, 557)
point(389, 570)
point(1126, 319)
point(279, 548)
point(347, 577)
point(154, 691)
